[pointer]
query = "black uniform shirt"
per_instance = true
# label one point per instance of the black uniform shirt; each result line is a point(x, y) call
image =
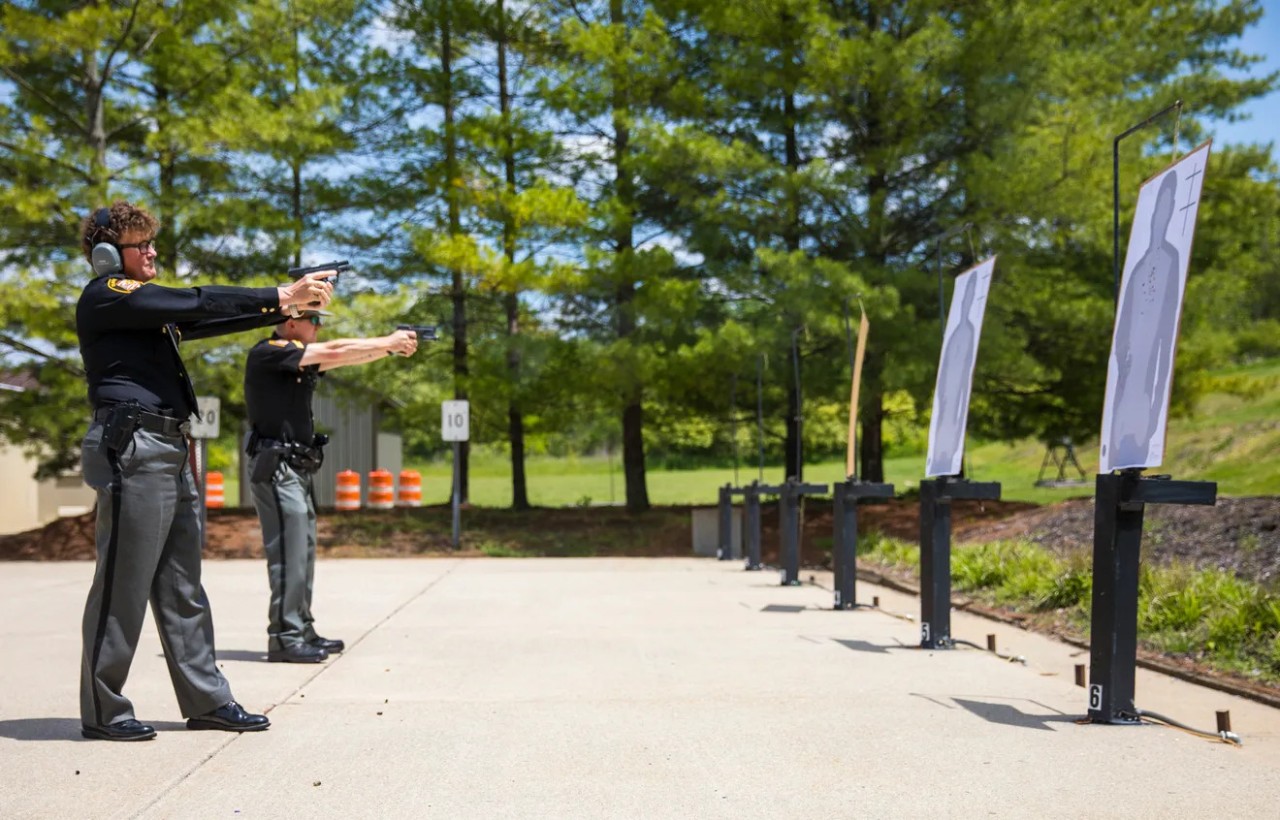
point(129, 333)
point(278, 390)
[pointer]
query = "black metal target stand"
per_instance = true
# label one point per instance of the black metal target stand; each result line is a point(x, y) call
point(789, 494)
point(1119, 505)
point(844, 548)
point(751, 527)
point(751, 524)
point(724, 529)
point(935, 552)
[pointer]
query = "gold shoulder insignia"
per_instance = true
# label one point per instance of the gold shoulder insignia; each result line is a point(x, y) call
point(298, 344)
point(124, 285)
point(278, 342)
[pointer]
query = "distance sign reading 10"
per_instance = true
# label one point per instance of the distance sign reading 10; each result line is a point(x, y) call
point(455, 420)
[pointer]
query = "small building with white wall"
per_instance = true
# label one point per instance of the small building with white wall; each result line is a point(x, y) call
point(29, 503)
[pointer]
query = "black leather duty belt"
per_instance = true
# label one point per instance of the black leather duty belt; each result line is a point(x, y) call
point(152, 422)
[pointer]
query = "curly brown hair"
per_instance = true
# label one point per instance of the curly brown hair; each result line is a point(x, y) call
point(125, 218)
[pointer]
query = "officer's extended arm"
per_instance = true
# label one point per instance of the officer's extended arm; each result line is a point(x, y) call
point(309, 291)
point(343, 352)
point(129, 304)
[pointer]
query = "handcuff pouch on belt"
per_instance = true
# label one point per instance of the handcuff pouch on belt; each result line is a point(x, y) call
point(118, 426)
point(304, 459)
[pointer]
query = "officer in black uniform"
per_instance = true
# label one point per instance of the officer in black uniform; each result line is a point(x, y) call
point(136, 456)
point(279, 381)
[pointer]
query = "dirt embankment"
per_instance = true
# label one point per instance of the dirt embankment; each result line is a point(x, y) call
point(1239, 534)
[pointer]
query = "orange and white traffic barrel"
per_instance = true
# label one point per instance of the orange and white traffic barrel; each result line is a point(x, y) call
point(410, 494)
point(213, 491)
point(348, 493)
point(381, 491)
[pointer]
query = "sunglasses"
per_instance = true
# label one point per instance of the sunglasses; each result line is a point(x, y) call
point(315, 320)
point(143, 247)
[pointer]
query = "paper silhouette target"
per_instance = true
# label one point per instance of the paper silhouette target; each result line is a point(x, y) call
point(1140, 370)
point(955, 370)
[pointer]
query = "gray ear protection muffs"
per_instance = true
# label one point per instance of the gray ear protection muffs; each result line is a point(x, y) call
point(105, 257)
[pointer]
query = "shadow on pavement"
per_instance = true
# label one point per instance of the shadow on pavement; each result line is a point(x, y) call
point(1007, 715)
point(863, 646)
point(241, 655)
point(784, 608)
point(62, 728)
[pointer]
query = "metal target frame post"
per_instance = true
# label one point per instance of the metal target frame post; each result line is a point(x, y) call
point(205, 424)
point(844, 546)
point(724, 522)
point(1115, 188)
point(455, 426)
point(724, 526)
point(1119, 506)
point(789, 494)
point(936, 496)
point(751, 526)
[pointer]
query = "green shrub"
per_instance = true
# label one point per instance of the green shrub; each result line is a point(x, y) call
point(494, 549)
point(980, 567)
point(1168, 601)
point(1071, 587)
point(1014, 570)
point(891, 551)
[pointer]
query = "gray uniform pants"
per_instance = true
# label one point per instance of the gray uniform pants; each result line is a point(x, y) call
point(288, 519)
point(148, 541)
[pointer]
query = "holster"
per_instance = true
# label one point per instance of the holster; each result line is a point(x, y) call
point(118, 426)
point(267, 457)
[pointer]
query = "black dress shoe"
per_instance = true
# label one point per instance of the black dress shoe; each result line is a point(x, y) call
point(331, 645)
point(124, 730)
point(297, 653)
point(230, 717)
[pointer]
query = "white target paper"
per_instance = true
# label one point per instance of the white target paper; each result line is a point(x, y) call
point(955, 370)
point(1140, 370)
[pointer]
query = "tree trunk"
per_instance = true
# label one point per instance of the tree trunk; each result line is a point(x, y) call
point(458, 293)
point(295, 204)
point(167, 242)
point(794, 466)
point(791, 237)
point(95, 116)
point(870, 442)
point(511, 301)
point(633, 468)
point(295, 162)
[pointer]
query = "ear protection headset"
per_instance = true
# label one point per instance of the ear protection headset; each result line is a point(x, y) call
point(105, 257)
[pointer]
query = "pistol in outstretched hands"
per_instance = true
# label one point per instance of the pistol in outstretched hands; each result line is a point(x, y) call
point(338, 269)
point(425, 333)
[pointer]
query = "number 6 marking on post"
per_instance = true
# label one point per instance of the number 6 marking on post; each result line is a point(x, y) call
point(1095, 696)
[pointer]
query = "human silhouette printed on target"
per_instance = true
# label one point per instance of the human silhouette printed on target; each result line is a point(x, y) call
point(954, 382)
point(1145, 330)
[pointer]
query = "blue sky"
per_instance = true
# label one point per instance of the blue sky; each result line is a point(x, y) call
point(1263, 124)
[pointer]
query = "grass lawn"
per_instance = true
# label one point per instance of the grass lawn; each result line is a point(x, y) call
point(1233, 438)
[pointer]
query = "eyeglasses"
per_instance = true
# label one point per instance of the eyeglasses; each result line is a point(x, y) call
point(315, 320)
point(143, 247)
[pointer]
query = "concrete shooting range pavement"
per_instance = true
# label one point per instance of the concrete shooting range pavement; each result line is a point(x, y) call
point(605, 688)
